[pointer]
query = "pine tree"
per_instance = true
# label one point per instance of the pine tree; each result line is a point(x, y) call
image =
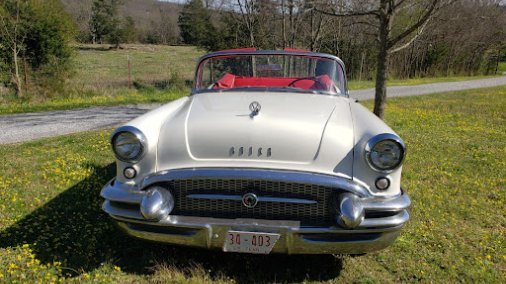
point(195, 25)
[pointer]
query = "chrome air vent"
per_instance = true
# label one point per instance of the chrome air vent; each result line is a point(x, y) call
point(250, 152)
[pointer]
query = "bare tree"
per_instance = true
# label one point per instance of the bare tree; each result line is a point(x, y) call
point(247, 11)
point(12, 31)
point(388, 41)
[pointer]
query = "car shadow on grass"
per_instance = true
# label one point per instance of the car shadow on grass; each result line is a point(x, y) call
point(72, 229)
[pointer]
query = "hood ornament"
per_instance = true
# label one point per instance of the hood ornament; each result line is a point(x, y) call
point(255, 108)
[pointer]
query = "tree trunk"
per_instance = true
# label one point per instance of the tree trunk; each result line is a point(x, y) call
point(380, 97)
point(17, 79)
point(283, 24)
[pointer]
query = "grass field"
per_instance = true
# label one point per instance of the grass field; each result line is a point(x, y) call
point(100, 67)
point(52, 228)
point(158, 74)
point(501, 68)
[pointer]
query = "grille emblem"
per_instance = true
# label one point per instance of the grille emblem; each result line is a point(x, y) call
point(249, 200)
point(255, 108)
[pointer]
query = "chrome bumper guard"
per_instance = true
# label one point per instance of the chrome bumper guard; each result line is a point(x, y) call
point(370, 233)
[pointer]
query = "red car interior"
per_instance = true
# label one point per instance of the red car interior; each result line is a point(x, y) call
point(322, 82)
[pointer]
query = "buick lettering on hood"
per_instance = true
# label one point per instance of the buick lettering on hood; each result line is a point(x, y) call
point(268, 154)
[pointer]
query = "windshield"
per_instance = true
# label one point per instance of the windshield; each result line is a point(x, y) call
point(279, 72)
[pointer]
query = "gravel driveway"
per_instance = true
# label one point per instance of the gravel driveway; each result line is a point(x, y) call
point(32, 126)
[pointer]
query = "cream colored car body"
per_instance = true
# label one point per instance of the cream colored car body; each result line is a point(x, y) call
point(319, 140)
point(306, 132)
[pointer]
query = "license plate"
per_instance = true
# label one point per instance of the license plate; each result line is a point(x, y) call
point(250, 242)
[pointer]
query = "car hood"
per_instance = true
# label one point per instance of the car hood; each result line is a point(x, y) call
point(289, 129)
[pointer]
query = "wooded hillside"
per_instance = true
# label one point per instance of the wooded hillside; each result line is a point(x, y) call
point(155, 21)
point(461, 37)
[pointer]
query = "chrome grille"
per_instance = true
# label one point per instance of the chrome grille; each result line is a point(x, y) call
point(308, 214)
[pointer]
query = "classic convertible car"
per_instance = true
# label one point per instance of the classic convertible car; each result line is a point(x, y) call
point(267, 154)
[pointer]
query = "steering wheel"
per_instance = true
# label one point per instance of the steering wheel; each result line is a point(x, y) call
point(317, 82)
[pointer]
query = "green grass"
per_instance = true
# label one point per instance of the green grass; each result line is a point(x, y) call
point(100, 67)
point(52, 228)
point(501, 68)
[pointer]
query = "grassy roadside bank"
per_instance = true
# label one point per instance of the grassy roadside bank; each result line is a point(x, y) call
point(52, 228)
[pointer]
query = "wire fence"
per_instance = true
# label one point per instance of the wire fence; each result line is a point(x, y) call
point(160, 67)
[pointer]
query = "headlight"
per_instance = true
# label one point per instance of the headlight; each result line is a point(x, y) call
point(128, 144)
point(385, 152)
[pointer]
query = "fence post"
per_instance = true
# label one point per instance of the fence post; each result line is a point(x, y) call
point(129, 72)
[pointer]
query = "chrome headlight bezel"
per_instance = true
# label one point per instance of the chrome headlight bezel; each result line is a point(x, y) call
point(141, 138)
point(380, 138)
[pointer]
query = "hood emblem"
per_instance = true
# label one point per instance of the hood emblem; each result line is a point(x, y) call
point(255, 108)
point(249, 200)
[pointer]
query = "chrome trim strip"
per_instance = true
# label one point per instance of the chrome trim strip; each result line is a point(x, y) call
point(121, 192)
point(117, 212)
point(286, 200)
point(260, 198)
point(258, 174)
point(395, 220)
point(215, 197)
point(395, 204)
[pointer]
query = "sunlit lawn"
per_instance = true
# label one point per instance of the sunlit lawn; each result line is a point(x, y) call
point(52, 228)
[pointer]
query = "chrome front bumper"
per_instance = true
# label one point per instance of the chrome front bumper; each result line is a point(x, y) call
point(122, 203)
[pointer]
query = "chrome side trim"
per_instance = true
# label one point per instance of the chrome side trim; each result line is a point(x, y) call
point(259, 174)
point(260, 198)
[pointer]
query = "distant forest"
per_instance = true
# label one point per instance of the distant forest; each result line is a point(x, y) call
point(462, 37)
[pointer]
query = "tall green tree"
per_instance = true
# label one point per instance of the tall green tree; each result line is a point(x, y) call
point(34, 37)
point(195, 25)
point(12, 38)
point(104, 20)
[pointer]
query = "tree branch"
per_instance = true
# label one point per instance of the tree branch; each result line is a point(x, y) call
point(415, 26)
point(349, 13)
point(420, 32)
point(398, 4)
